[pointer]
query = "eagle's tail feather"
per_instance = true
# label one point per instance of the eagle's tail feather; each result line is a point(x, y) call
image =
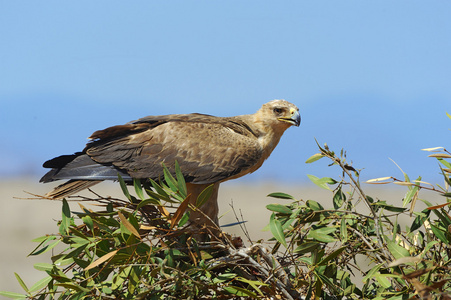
point(70, 187)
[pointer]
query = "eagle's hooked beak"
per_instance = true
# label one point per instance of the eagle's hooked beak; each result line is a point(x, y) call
point(294, 119)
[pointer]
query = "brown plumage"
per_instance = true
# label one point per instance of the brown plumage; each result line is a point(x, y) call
point(209, 150)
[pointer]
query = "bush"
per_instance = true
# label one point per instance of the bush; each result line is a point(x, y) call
point(141, 247)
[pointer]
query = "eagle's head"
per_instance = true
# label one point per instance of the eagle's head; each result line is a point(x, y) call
point(281, 113)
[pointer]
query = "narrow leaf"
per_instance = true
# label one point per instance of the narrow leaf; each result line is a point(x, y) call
point(439, 233)
point(169, 179)
point(276, 229)
point(101, 260)
point(322, 182)
point(438, 206)
point(433, 149)
point(180, 180)
point(45, 248)
point(372, 272)
point(321, 237)
point(331, 256)
point(65, 221)
point(314, 158)
point(307, 247)
point(314, 205)
point(124, 187)
point(13, 295)
point(405, 183)
point(40, 284)
point(279, 208)
point(396, 250)
point(138, 188)
point(404, 260)
point(180, 212)
point(43, 266)
point(88, 221)
point(240, 292)
point(281, 196)
point(378, 180)
point(339, 198)
point(204, 195)
point(73, 286)
point(343, 231)
point(21, 282)
point(128, 225)
point(160, 192)
point(440, 155)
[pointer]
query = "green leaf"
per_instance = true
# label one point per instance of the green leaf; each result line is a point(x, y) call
point(343, 230)
point(181, 180)
point(396, 250)
point(276, 229)
point(443, 216)
point(314, 158)
point(40, 284)
point(160, 196)
point(138, 188)
point(339, 198)
point(147, 202)
point(410, 195)
point(392, 208)
point(43, 238)
point(124, 187)
point(240, 292)
point(322, 182)
point(73, 286)
point(419, 220)
point(160, 192)
point(383, 280)
point(307, 247)
point(21, 282)
point(88, 221)
point(184, 219)
point(331, 256)
point(279, 208)
point(371, 272)
point(169, 179)
point(224, 277)
point(314, 205)
point(439, 233)
point(253, 283)
point(321, 236)
point(281, 196)
point(13, 295)
point(66, 219)
point(204, 195)
point(43, 266)
point(444, 162)
point(44, 249)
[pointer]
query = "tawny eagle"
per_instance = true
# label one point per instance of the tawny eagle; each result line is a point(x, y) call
point(209, 150)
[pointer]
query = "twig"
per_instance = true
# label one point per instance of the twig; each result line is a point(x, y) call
point(345, 169)
point(276, 273)
point(368, 244)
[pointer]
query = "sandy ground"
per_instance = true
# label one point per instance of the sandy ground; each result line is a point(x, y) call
point(23, 220)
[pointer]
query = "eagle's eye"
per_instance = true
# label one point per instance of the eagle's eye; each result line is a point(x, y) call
point(278, 110)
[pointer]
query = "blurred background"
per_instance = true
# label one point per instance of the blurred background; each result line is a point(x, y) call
point(370, 77)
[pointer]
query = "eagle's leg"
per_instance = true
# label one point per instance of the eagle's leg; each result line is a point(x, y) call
point(210, 209)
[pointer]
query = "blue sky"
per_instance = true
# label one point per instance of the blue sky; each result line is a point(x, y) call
point(373, 77)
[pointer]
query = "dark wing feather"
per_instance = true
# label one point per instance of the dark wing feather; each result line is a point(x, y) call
point(81, 167)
